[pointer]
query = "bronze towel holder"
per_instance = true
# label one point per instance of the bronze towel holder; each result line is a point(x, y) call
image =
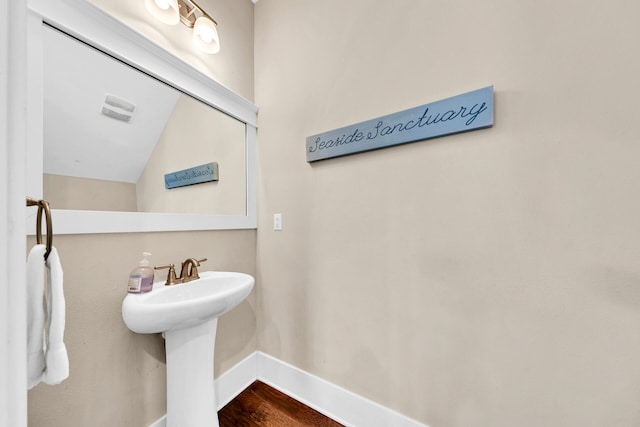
point(43, 206)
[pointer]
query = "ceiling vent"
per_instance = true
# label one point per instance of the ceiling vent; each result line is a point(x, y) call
point(118, 108)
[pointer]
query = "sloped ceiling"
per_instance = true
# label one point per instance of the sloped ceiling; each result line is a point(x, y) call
point(78, 140)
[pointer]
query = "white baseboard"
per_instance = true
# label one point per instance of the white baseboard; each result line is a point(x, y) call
point(329, 399)
point(235, 380)
point(162, 422)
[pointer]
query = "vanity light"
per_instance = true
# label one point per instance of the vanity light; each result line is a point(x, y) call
point(205, 33)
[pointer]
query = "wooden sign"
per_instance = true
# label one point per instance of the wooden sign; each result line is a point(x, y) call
point(191, 176)
point(461, 113)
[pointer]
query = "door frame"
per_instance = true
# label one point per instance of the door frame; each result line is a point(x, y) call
point(13, 126)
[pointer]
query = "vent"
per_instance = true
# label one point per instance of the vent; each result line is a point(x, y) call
point(118, 108)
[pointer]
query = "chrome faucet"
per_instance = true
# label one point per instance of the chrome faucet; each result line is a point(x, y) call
point(188, 272)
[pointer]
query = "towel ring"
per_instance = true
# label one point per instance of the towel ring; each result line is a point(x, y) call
point(43, 205)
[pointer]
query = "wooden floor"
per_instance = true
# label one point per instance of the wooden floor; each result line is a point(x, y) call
point(261, 405)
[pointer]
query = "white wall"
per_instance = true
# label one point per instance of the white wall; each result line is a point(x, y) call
point(484, 279)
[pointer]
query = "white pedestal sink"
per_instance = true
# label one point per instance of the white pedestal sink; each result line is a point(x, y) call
point(187, 315)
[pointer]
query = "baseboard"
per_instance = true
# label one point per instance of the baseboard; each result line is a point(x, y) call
point(162, 422)
point(235, 380)
point(329, 399)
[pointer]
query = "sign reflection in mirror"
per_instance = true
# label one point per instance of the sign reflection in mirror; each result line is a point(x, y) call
point(94, 162)
point(192, 176)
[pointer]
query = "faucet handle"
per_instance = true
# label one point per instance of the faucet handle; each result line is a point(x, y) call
point(194, 270)
point(171, 276)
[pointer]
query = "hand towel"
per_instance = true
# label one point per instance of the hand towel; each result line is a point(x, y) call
point(47, 355)
point(35, 315)
point(56, 359)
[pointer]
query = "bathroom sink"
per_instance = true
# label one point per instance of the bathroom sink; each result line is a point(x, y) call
point(187, 315)
point(184, 305)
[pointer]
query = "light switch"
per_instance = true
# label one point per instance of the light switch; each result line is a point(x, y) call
point(277, 222)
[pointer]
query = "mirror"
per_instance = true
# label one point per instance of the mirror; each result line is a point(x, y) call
point(181, 119)
point(112, 133)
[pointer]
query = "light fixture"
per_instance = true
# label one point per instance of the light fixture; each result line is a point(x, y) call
point(205, 33)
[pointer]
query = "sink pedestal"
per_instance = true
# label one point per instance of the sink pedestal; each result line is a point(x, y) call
point(187, 314)
point(191, 400)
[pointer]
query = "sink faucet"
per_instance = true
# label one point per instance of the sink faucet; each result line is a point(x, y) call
point(189, 269)
point(188, 272)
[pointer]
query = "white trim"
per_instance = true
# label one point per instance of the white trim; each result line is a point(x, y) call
point(162, 422)
point(90, 222)
point(235, 380)
point(329, 399)
point(13, 125)
point(95, 27)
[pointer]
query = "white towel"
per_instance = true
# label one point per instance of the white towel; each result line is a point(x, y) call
point(47, 354)
point(35, 315)
point(56, 360)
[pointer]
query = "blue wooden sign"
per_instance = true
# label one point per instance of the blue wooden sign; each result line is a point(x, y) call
point(461, 113)
point(195, 175)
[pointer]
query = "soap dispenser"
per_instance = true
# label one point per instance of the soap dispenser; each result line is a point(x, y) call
point(141, 277)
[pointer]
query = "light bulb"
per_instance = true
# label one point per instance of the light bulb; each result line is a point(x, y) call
point(164, 10)
point(205, 35)
point(162, 4)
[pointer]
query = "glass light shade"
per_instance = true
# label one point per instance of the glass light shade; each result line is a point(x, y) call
point(164, 10)
point(205, 35)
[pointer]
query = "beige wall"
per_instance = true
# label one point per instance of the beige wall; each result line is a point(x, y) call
point(68, 192)
point(487, 279)
point(117, 378)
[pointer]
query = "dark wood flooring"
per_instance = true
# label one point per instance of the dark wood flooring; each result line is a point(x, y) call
point(263, 406)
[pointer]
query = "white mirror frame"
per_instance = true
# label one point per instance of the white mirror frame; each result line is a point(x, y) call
point(93, 26)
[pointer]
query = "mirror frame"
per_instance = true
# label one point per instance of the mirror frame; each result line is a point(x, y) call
point(95, 27)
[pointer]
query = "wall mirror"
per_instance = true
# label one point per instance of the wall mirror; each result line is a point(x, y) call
point(101, 174)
